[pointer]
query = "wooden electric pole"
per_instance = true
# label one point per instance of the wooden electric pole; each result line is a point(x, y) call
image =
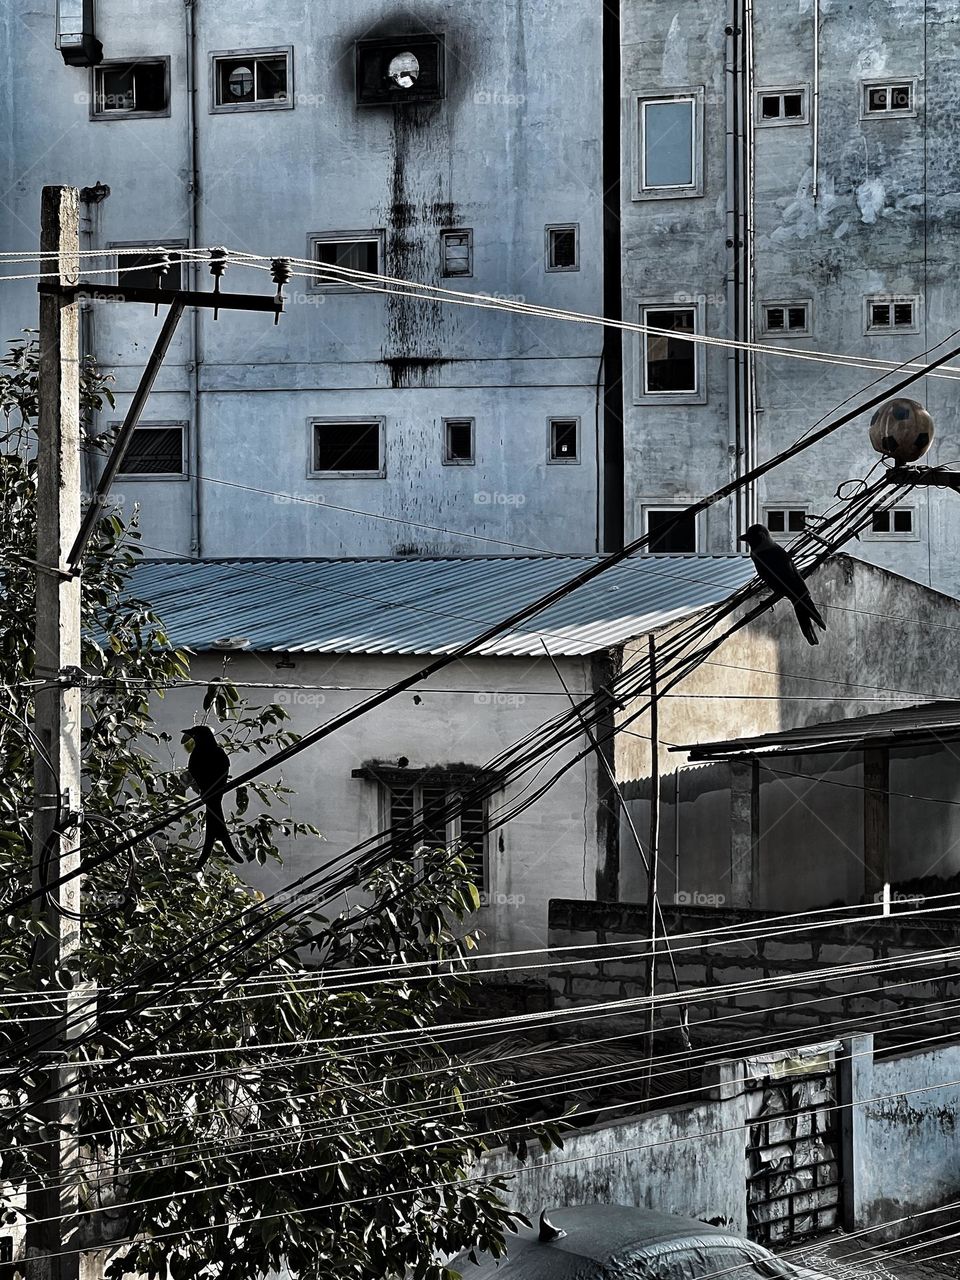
point(653, 856)
point(52, 1204)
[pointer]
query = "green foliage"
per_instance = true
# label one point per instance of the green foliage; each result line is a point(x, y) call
point(262, 1119)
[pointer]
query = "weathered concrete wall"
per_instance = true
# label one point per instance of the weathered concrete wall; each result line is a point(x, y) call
point(898, 1000)
point(466, 714)
point(885, 219)
point(510, 150)
point(684, 1160)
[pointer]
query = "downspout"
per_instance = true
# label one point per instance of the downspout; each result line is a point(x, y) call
point(611, 469)
point(750, 274)
point(815, 107)
point(733, 265)
point(193, 271)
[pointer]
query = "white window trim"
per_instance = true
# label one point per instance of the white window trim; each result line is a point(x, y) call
point(333, 237)
point(459, 462)
point(805, 332)
point(698, 396)
point(788, 534)
point(892, 300)
point(456, 231)
point(561, 226)
point(333, 420)
point(271, 104)
point(695, 96)
point(780, 89)
point(105, 65)
point(868, 534)
point(889, 82)
point(563, 462)
point(173, 247)
point(672, 508)
point(160, 477)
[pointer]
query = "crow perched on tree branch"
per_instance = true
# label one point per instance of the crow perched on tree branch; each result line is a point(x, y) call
point(209, 767)
point(777, 570)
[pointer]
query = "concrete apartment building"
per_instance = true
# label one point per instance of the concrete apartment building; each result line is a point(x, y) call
point(280, 129)
point(790, 177)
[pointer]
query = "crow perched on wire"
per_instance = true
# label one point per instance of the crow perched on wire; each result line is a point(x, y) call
point(209, 767)
point(777, 570)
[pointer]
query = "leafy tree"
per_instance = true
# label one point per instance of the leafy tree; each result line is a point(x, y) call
point(266, 1118)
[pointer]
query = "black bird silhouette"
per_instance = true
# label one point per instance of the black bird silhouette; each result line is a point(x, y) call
point(777, 570)
point(209, 767)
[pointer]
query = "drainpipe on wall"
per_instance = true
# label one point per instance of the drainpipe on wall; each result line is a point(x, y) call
point(732, 97)
point(611, 468)
point(752, 514)
point(815, 106)
point(193, 270)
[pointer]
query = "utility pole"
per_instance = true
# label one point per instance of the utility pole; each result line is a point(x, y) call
point(653, 857)
point(52, 1205)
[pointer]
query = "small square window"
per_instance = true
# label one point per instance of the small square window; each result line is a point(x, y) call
point(353, 448)
point(458, 442)
point(563, 247)
point(564, 440)
point(457, 253)
point(250, 80)
point(671, 530)
point(353, 251)
point(776, 318)
point(786, 318)
point(890, 98)
point(140, 88)
point(669, 359)
point(782, 106)
point(895, 522)
point(140, 269)
point(669, 144)
point(433, 815)
point(783, 521)
point(155, 451)
point(891, 316)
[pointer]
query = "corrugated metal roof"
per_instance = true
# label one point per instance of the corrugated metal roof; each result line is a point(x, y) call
point(426, 606)
point(926, 723)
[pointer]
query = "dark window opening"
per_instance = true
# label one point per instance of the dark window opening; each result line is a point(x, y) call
point(347, 446)
point(770, 106)
point(889, 97)
point(785, 319)
point(562, 249)
point(130, 88)
point(140, 269)
point(899, 520)
point(786, 520)
point(796, 317)
point(458, 440)
point(670, 359)
point(891, 315)
point(793, 106)
point(433, 816)
point(400, 69)
point(250, 79)
point(775, 318)
point(154, 451)
point(457, 249)
point(782, 106)
point(672, 531)
point(354, 255)
point(563, 439)
point(903, 313)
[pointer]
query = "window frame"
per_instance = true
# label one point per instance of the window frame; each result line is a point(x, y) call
point(561, 226)
point(786, 305)
point(163, 477)
point(228, 108)
point(564, 462)
point(458, 462)
point(786, 507)
point(889, 82)
point(366, 419)
point(385, 804)
point(172, 246)
point(672, 507)
point(373, 235)
point(105, 116)
point(697, 397)
point(696, 96)
point(781, 91)
point(394, 45)
point(869, 534)
point(892, 300)
point(456, 231)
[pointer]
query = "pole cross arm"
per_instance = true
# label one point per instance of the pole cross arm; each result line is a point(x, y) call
point(164, 297)
point(933, 477)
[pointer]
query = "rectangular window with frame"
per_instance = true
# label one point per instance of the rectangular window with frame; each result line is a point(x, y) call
point(135, 88)
point(670, 361)
point(252, 80)
point(563, 247)
point(140, 269)
point(894, 523)
point(156, 452)
point(456, 250)
point(786, 319)
point(350, 250)
point(563, 444)
point(671, 530)
point(432, 815)
point(669, 145)
point(459, 442)
point(885, 98)
point(892, 315)
point(351, 447)
point(782, 106)
point(784, 522)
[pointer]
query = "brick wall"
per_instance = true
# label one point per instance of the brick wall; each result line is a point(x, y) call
point(899, 1002)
